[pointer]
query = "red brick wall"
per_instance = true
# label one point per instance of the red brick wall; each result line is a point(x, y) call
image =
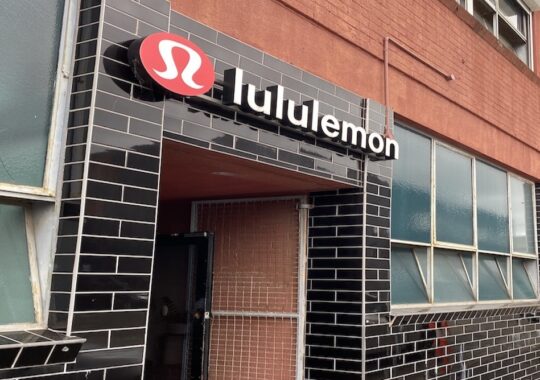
point(493, 107)
point(255, 270)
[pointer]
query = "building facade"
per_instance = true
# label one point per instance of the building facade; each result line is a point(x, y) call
point(353, 193)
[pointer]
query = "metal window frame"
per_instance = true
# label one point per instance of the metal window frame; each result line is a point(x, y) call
point(58, 118)
point(528, 39)
point(300, 315)
point(473, 249)
point(39, 320)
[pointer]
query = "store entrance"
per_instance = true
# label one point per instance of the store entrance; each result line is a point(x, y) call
point(229, 301)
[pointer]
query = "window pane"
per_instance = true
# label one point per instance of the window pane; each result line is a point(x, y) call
point(27, 77)
point(514, 14)
point(513, 41)
point(490, 269)
point(492, 208)
point(15, 288)
point(523, 289)
point(522, 216)
point(407, 285)
point(411, 189)
point(450, 277)
point(484, 14)
point(454, 197)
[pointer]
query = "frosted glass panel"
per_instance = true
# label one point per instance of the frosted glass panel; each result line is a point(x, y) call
point(29, 41)
point(523, 288)
point(522, 216)
point(407, 286)
point(454, 197)
point(411, 190)
point(450, 278)
point(492, 206)
point(491, 280)
point(17, 305)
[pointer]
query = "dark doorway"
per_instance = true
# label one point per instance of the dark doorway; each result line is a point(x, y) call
point(179, 321)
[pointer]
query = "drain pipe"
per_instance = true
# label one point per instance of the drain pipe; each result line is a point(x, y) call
point(412, 53)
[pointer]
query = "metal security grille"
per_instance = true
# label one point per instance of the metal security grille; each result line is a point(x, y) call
point(256, 283)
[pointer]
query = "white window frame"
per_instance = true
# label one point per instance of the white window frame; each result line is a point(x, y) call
point(469, 6)
point(59, 116)
point(473, 249)
point(25, 196)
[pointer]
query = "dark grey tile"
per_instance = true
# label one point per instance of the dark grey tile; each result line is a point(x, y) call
point(233, 152)
point(104, 359)
point(180, 111)
point(128, 107)
point(134, 372)
point(216, 51)
point(140, 196)
point(89, 16)
point(349, 96)
point(63, 263)
point(234, 128)
point(207, 134)
point(333, 100)
point(114, 86)
point(120, 20)
point(124, 338)
point(299, 86)
point(122, 176)
point(187, 140)
point(86, 49)
point(84, 66)
point(146, 29)
point(59, 301)
point(105, 283)
point(107, 155)
point(315, 151)
point(194, 27)
point(88, 32)
point(104, 190)
point(282, 67)
point(278, 141)
point(260, 70)
point(318, 82)
point(295, 159)
point(82, 83)
point(144, 129)
point(123, 301)
point(97, 264)
point(240, 48)
point(93, 302)
point(64, 353)
point(115, 246)
point(137, 230)
point(119, 36)
point(114, 51)
point(138, 11)
point(33, 356)
point(256, 148)
point(134, 265)
point(105, 209)
point(161, 6)
point(147, 163)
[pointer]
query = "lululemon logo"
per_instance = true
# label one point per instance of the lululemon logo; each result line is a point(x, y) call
point(176, 64)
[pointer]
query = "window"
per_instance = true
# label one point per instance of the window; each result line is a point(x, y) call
point(32, 106)
point(463, 230)
point(508, 20)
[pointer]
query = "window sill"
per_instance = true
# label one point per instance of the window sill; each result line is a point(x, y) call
point(30, 348)
point(419, 314)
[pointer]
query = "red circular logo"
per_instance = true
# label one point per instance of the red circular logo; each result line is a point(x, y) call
point(177, 64)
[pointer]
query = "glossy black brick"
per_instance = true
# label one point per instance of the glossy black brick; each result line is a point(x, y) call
point(207, 134)
point(104, 227)
point(97, 264)
point(59, 301)
point(64, 353)
point(256, 148)
point(110, 120)
point(61, 282)
point(138, 161)
point(137, 230)
point(63, 263)
point(105, 358)
point(33, 356)
point(130, 301)
point(110, 320)
point(107, 155)
point(124, 338)
point(112, 246)
point(88, 302)
point(121, 211)
point(296, 159)
point(104, 191)
point(134, 265)
point(89, 282)
point(95, 340)
point(125, 141)
point(8, 356)
point(122, 176)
